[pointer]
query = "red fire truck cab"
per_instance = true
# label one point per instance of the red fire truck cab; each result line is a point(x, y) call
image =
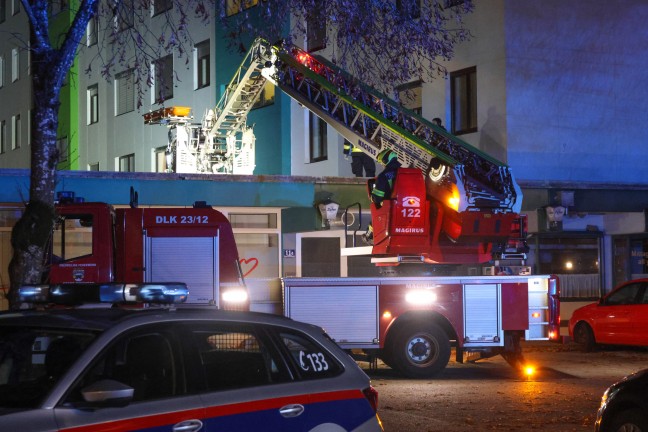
point(93, 243)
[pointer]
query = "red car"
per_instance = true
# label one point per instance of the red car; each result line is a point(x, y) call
point(619, 318)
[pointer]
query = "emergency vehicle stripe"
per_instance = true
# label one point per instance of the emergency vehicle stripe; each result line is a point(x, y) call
point(217, 411)
point(279, 402)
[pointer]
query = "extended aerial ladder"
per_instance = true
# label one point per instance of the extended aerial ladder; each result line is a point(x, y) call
point(467, 201)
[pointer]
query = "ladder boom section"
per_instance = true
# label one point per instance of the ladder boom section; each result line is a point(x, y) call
point(372, 121)
point(240, 94)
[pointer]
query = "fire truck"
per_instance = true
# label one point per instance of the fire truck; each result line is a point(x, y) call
point(94, 243)
point(451, 204)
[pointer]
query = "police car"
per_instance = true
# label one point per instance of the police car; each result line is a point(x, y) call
point(170, 368)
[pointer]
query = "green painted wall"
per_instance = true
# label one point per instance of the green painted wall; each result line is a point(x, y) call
point(69, 98)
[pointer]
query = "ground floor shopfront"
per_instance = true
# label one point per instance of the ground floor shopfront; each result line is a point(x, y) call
point(279, 230)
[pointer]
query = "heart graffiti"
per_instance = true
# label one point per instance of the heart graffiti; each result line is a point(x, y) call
point(248, 265)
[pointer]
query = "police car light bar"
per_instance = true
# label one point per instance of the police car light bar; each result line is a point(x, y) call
point(75, 294)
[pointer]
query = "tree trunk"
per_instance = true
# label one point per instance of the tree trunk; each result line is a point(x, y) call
point(31, 234)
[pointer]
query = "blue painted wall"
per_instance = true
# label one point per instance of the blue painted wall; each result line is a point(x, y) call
point(577, 90)
point(166, 189)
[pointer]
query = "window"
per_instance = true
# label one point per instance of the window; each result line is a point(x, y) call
point(266, 97)
point(16, 129)
point(148, 362)
point(124, 92)
point(3, 136)
point(235, 6)
point(124, 18)
point(93, 166)
point(127, 163)
point(91, 31)
point(410, 96)
point(3, 11)
point(234, 356)
point(72, 237)
point(201, 59)
point(62, 146)
point(93, 104)
point(2, 68)
point(161, 163)
point(318, 138)
point(15, 64)
point(315, 30)
point(163, 79)
point(29, 127)
point(15, 7)
point(624, 296)
point(463, 100)
point(160, 6)
point(313, 362)
point(574, 256)
point(409, 9)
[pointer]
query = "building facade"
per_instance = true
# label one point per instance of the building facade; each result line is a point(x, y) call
point(554, 91)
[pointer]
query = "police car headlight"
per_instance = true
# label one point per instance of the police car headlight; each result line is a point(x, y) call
point(420, 297)
point(235, 295)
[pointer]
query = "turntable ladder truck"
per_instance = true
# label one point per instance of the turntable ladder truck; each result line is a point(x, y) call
point(451, 204)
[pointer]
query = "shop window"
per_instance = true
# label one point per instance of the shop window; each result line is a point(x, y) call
point(574, 257)
point(246, 220)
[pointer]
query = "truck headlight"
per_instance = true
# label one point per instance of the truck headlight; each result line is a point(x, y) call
point(420, 297)
point(235, 295)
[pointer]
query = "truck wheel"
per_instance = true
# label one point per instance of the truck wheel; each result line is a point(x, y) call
point(584, 336)
point(420, 351)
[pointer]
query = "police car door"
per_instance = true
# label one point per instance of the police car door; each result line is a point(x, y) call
point(148, 361)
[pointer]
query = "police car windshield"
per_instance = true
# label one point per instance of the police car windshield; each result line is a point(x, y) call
point(32, 360)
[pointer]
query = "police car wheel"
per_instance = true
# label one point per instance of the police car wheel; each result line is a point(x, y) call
point(421, 351)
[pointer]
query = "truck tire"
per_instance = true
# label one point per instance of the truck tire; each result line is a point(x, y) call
point(584, 336)
point(420, 351)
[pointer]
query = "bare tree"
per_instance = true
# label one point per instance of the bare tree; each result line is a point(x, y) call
point(381, 42)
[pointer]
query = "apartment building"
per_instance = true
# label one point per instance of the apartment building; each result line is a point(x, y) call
point(554, 90)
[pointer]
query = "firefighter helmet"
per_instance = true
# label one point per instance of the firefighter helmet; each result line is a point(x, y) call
point(386, 155)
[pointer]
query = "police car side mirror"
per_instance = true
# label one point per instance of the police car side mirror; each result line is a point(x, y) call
point(108, 392)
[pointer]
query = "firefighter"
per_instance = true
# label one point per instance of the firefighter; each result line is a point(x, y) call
point(359, 161)
point(384, 184)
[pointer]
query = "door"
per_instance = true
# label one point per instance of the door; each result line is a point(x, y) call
point(151, 362)
point(614, 317)
point(192, 260)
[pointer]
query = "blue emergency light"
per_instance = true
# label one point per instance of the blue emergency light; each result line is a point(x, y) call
point(75, 294)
